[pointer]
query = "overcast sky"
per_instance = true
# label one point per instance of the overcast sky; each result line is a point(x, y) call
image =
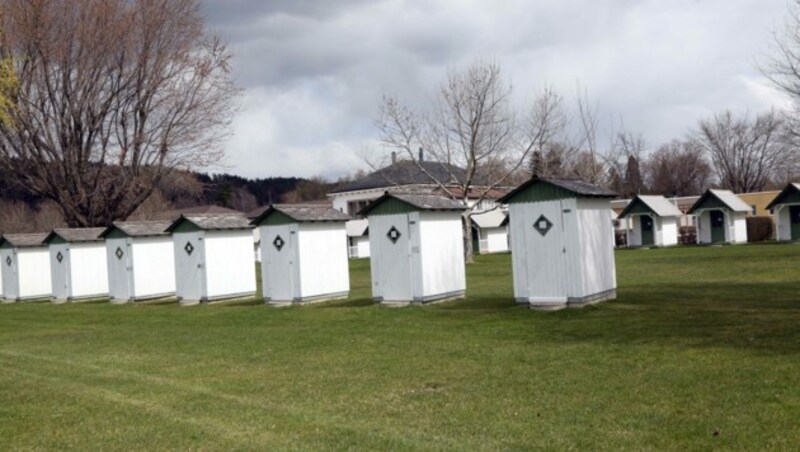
point(313, 72)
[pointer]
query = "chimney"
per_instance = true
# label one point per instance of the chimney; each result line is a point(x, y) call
point(394, 157)
point(420, 154)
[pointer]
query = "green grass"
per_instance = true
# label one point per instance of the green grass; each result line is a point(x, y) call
point(701, 350)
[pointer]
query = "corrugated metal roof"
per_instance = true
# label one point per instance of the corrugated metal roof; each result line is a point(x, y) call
point(491, 219)
point(140, 228)
point(577, 187)
point(305, 212)
point(407, 172)
point(356, 228)
point(660, 205)
point(214, 222)
point(726, 197)
point(24, 240)
point(77, 234)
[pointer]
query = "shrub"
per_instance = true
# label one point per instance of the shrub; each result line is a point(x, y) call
point(687, 235)
point(760, 229)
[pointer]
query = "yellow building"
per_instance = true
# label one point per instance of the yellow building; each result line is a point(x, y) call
point(759, 201)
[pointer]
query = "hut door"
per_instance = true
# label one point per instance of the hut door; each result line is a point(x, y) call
point(280, 263)
point(395, 272)
point(647, 230)
point(794, 214)
point(60, 270)
point(121, 271)
point(10, 277)
point(548, 239)
point(191, 248)
point(717, 226)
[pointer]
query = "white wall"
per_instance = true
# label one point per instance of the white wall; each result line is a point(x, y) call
point(361, 245)
point(738, 226)
point(441, 253)
point(229, 265)
point(669, 231)
point(88, 269)
point(496, 239)
point(34, 272)
point(597, 247)
point(322, 255)
point(153, 266)
point(783, 223)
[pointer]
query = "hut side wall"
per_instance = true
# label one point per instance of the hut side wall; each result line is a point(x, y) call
point(153, 266)
point(88, 270)
point(390, 263)
point(496, 240)
point(738, 221)
point(119, 269)
point(441, 250)
point(668, 231)
point(60, 271)
point(322, 256)
point(230, 269)
point(704, 227)
point(34, 272)
point(189, 272)
point(597, 247)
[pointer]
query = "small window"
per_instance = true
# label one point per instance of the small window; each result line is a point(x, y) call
point(754, 210)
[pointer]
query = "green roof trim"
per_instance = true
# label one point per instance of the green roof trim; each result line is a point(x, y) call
point(185, 226)
point(542, 191)
point(391, 206)
point(636, 207)
point(539, 189)
point(709, 202)
point(275, 218)
point(789, 195)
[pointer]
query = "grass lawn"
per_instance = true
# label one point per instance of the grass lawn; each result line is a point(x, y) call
point(701, 350)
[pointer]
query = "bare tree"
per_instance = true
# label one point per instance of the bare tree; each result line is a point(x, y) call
point(112, 95)
point(678, 168)
point(470, 131)
point(623, 160)
point(744, 153)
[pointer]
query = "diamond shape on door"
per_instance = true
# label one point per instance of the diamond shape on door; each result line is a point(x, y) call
point(59, 257)
point(9, 261)
point(278, 243)
point(119, 253)
point(393, 234)
point(542, 225)
point(188, 248)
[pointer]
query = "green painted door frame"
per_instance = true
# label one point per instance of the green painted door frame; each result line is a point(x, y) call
point(794, 221)
point(717, 218)
point(646, 224)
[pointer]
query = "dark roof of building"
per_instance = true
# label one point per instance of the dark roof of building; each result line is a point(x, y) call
point(209, 209)
point(407, 172)
point(578, 187)
point(24, 240)
point(255, 213)
point(213, 222)
point(304, 212)
point(791, 188)
point(658, 205)
point(77, 234)
point(139, 228)
point(418, 201)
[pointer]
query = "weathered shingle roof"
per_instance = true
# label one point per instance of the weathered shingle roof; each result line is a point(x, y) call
point(578, 187)
point(139, 228)
point(791, 188)
point(407, 172)
point(304, 212)
point(77, 234)
point(213, 222)
point(726, 197)
point(418, 201)
point(657, 204)
point(24, 240)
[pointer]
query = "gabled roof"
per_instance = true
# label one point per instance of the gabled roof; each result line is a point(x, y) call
point(357, 228)
point(139, 228)
point(24, 240)
point(491, 219)
point(658, 205)
point(304, 213)
point(725, 197)
point(575, 187)
point(417, 202)
point(786, 192)
point(213, 222)
point(76, 235)
point(408, 172)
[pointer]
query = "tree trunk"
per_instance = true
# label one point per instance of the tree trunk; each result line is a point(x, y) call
point(468, 251)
